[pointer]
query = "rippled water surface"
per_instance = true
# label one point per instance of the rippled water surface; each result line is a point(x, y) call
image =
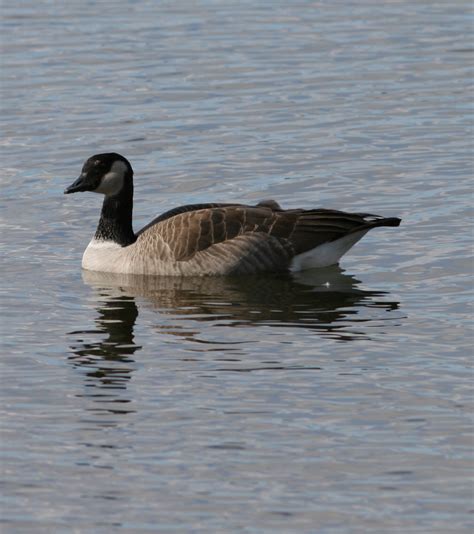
point(334, 401)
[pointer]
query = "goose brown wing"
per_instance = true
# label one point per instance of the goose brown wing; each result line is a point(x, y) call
point(195, 230)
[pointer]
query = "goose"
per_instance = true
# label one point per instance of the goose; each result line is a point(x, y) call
point(214, 238)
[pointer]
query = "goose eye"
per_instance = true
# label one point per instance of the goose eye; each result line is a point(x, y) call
point(99, 166)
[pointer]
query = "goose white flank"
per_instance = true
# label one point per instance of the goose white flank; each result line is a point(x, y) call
point(211, 239)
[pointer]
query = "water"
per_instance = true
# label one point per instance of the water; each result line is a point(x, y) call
point(336, 401)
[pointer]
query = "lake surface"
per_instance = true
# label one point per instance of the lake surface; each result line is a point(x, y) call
point(334, 401)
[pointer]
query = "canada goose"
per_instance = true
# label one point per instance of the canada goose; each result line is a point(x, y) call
point(211, 239)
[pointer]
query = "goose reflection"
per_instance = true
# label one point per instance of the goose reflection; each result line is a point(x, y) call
point(327, 301)
point(105, 353)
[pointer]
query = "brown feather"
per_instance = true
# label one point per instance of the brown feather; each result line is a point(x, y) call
point(193, 229)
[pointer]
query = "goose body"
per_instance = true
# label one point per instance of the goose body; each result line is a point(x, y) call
point(211, 239)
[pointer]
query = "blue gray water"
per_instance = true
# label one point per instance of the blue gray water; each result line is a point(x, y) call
point(336, 401)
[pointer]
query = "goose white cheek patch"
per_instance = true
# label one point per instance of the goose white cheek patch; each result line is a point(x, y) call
point(112, 182)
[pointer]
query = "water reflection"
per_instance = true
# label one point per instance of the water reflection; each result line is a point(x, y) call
point(326, 302)
point(105, 354)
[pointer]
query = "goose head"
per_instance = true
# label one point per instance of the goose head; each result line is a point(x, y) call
point(109, 174)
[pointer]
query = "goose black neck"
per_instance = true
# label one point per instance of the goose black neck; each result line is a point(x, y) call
point(115, 222)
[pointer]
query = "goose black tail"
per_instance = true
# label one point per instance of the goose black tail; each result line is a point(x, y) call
point(386, 221)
